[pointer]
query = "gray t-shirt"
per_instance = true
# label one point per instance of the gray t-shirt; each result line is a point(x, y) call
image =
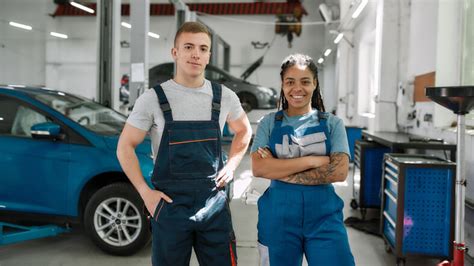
point(186, 104)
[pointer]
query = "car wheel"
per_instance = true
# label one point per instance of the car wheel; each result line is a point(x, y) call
point(248, 101)
point(114, 220)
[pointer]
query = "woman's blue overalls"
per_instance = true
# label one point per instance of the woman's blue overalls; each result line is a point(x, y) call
point(296, 219)
point(187, 164)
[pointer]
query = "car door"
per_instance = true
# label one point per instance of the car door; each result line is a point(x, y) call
point(33, 172)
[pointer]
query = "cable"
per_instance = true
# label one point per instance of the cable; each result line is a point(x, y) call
point(265, 23)
point(271, 44)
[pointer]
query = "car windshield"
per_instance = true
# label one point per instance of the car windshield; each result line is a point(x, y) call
point(87, 113)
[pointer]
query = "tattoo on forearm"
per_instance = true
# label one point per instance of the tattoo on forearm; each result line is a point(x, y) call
point(325, 174)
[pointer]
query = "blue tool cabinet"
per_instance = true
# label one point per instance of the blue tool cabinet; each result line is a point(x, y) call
point(417, 217)
point(353, 134)
point(367, 175)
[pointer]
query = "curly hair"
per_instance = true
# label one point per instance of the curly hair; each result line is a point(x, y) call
point(301, 60)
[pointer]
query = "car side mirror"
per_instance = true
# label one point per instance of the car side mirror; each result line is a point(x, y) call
point(47, 130)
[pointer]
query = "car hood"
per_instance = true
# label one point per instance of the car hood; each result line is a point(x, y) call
point(143, 148)
point(252, 68)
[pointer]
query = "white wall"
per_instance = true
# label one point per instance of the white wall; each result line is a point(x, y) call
point(71, 63)
point(350, 77)
point(422, 59)
point(328, 86)
point(22, 56)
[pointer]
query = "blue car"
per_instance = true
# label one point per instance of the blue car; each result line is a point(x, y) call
point(58, 165)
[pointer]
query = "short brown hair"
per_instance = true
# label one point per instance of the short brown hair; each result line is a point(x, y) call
point(192, 27)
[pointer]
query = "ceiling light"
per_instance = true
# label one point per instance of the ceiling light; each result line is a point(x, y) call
point(19, 25)
point(359, 9)
point(327, 52)
point(82, 7)
point(126, 25)
point(320, 60)
point(153, 35)
point(59, 35)
point(338, 38)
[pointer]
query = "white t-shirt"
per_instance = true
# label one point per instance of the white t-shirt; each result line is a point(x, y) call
point(189, 104)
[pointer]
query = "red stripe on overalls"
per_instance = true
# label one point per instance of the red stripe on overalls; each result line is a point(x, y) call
point(233, 262)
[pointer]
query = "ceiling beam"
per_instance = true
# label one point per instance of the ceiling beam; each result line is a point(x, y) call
point(255, 8)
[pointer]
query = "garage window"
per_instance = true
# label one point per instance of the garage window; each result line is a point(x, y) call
point(8, 110)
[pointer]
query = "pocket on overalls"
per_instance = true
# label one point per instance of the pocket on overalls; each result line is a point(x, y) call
point(194, 151)
point(158, 209)
point(312, 144)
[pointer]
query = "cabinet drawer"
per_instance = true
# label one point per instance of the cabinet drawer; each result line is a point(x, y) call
point(391, 185)
point(389, 228)
point(357, 160)
point(390, 206)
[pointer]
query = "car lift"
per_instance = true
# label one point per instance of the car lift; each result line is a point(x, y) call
point(11, 233)
point(460, 100)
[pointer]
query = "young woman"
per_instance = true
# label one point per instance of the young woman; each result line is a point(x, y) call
point(302, 149)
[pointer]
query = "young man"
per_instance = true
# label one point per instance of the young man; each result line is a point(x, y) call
point(185, 117)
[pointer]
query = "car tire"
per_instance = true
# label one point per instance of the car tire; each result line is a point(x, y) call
point(114, 220)
point(248, 101)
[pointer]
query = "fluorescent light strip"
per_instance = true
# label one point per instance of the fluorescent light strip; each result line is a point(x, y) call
point(82, 7)
point(126, 25)
point(359, 9)
point(153, 35)
point(320, 60)
point(327, 52)
point(338, 38)
point(59, 35)
point(19, 25)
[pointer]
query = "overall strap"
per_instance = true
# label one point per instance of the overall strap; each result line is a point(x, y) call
point(278, 119)
point(323, 117)
point(164, 104)
point(275, 134)
point(216, 100)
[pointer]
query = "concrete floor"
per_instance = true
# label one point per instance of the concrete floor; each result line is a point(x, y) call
point(75, 249)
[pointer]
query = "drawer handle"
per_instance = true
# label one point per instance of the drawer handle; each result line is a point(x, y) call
point(390, 172)
point(390, 196)
point(389, 178)
point(392, 165)
point(389, 219)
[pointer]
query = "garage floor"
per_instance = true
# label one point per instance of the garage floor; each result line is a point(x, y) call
point(75, 249)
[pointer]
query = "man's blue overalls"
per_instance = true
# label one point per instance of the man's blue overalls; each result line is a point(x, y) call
point(296, 219)
point(187, 164)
